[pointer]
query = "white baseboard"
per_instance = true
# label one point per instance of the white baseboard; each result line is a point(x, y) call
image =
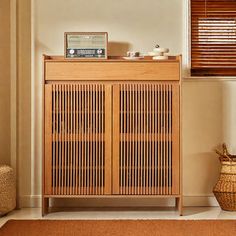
point(199, 201)
point(188, 201)
point(26, 201)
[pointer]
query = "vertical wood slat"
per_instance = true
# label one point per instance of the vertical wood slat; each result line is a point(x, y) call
point(159, 139)
point(91, 143)
point(82, 135)
point(138, 136)
point(153, 142)
point(108, 138)
point(63, 139)
point(90, 140)
point(56, 137)
point(141, 132)
point(53, 140)
point(164, 139)
point(117, 140)
point(68, 138)
point(99, 144)
point(126, 143)
point(96, 138)
point(129, 156)
point(60, 138)
point(149, 141)
point(85, 167)
point(77, 136)
point(91, 88)
point(75, 182)
point(170, 143)
point(71, 138)
point(121, 141)
point(167, 139)
point(93, 138)
point(146, 138)
point(133, 137)
point(102, 145)
point(67, 141)
point(156, 151)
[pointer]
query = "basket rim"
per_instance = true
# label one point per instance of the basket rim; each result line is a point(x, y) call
point(225, 159)
point(224, 192)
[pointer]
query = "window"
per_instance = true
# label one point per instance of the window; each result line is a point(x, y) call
point(213, 37)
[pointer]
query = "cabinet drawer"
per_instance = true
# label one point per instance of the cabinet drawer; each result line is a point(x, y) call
point(112, 71)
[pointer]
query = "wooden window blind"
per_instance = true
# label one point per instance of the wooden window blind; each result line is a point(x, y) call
point(213, 37)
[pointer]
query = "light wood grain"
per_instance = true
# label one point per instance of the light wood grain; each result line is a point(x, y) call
point(92, 71)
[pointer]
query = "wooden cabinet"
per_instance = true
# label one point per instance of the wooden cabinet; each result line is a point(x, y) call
point(111, 128)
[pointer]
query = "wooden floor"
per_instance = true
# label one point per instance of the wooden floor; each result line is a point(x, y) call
point(196, 213)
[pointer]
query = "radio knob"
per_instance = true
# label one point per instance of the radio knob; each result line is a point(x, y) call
point(72, 51)
point(99, 51)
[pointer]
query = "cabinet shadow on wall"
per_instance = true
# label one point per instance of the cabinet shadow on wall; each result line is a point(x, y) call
point(118, 48)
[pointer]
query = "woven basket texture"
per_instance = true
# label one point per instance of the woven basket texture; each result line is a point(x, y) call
point(7, 190)
point(225, 188)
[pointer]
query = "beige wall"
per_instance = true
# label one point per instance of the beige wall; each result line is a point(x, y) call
point(208, 105)
point(5, 82)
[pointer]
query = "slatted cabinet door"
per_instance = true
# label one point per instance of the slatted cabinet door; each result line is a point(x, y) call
point(77, 139)
point(146, 139)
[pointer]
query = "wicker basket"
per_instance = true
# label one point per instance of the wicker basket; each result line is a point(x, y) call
point(7, 190)
point(225, 188)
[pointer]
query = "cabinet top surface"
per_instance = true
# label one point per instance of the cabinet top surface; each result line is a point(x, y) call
point(48, 58)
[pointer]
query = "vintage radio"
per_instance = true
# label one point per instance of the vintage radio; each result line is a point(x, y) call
point(86, 45)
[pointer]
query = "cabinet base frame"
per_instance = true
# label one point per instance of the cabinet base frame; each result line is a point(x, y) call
point(46, 207)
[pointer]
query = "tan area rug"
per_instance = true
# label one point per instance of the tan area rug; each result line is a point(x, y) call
point(119, 227)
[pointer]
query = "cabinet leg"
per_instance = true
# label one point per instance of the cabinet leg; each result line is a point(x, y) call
point(45, 206)
point(179, 205)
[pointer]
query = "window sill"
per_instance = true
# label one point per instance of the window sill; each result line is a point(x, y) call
point(208, 78)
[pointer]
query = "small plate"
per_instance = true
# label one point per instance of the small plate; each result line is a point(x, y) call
point(133, 58)
point(160, 58)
